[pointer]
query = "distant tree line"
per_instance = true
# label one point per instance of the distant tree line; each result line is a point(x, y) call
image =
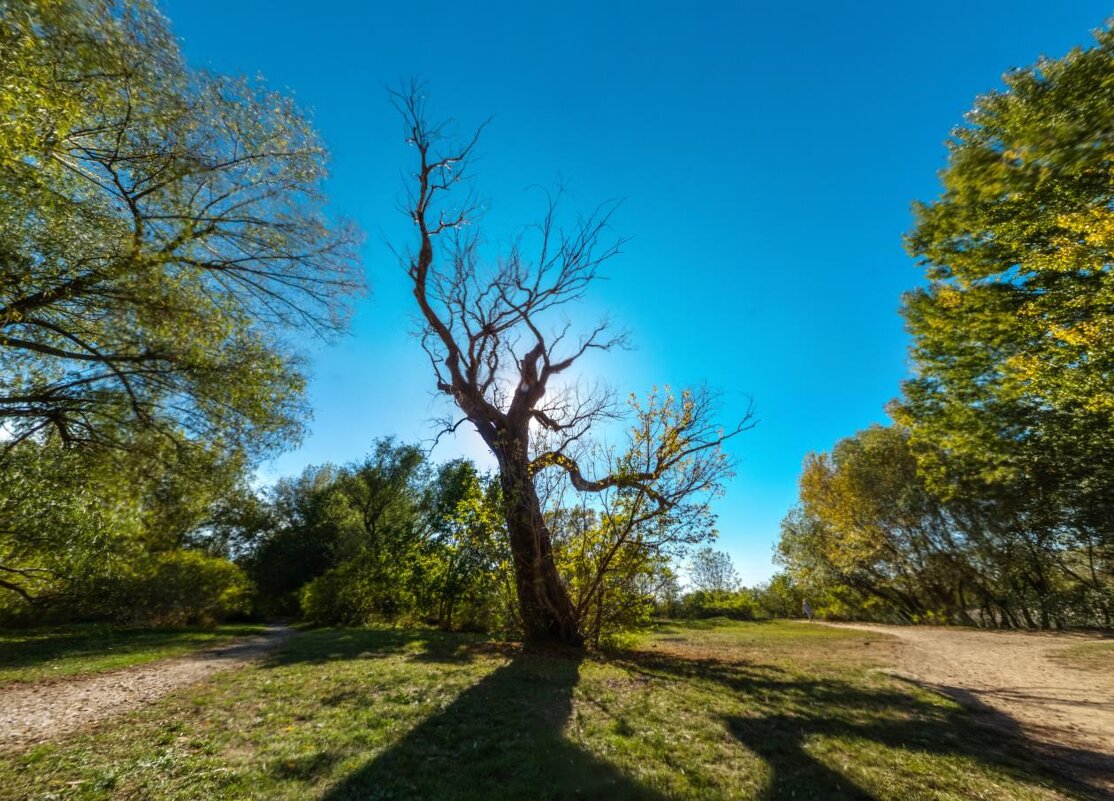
point(990, 500)
point(395, 538)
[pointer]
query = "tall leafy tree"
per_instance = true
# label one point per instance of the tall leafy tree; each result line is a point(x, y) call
point(1012, 404)
point(161, 232)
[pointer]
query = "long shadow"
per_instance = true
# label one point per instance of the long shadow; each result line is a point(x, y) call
point(503, 737)
point(1093, 769)
point(500, 739)
point(794, 710)
point(319, 646)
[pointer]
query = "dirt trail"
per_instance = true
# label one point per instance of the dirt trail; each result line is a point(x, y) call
point(1066, 712)
point(32, 713)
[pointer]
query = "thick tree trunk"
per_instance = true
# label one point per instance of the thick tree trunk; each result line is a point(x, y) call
point(547, 611)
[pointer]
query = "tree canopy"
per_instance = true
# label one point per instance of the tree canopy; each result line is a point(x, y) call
point(994, 494)
point(163, 241)
point(161, 232)
point(1014, 355)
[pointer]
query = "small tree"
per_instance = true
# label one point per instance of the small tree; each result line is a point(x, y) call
point(713, 571)
point(488, 331)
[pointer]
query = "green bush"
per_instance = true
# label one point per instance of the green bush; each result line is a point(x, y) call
point(738, 605)
point(173, 588)
point(356, 593)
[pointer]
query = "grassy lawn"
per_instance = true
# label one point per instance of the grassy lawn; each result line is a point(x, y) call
point(770, 711)
point(38, 654)
point(1093, 656)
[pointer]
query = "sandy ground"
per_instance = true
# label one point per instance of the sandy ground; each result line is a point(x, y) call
point(31, 713)
point(1067, 713)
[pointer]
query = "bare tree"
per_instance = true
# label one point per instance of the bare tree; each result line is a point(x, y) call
point(497, 351)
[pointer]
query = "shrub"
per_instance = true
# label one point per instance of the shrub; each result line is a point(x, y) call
point(356, 593)
point(172, 588)
point(737, 605)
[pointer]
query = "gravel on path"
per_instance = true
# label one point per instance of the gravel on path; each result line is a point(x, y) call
point(1067, 713)
point(43, 711)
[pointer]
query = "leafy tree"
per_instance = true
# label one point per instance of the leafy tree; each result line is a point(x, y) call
point(469, 582)
point(160, 231)
point(488, 329)
point(780, 597)
point(106, 534)
point(1012, 405)
point(871, 538)
point(390, 537)
point(878, 527)
point(712, 571)
point(294, 538)
point(46, 535)
point(667, 595)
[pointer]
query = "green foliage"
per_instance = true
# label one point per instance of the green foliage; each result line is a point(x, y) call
point(715, 590)
point(611, 577)
point(161, 233)
point(780, 597)
point(175, 588)
point(1011, 413)
point(734, 605)
point(871, 539)
point(357, 592)
point(469, 557)
point(389, 538)
point(160, 230)
point(291, 538)
point(100, 535)
point(395, 539)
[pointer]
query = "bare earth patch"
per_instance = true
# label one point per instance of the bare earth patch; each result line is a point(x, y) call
point(42, 711)
point(1014, 677)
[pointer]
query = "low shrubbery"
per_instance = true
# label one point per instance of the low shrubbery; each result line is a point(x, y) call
point(175, 588)
point(735, 605)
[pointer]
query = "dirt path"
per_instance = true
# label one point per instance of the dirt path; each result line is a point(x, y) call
point(1066, 712)
point(30, 714)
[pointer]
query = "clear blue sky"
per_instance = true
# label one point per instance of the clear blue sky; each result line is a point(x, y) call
point(767, 153)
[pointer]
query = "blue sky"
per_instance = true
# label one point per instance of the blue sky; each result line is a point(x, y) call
point(767, 155)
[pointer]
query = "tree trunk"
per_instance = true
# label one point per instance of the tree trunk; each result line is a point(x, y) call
point(548, 614)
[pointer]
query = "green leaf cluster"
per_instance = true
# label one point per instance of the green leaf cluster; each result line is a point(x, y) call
point(161, 233)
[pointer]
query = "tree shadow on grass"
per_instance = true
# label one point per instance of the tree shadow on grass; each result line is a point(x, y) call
point(502, 738)
point(319, 646)
point(793, 711)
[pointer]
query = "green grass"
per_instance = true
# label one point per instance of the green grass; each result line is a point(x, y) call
point(1091, 656)
point(42, 654)
point(770, 711)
